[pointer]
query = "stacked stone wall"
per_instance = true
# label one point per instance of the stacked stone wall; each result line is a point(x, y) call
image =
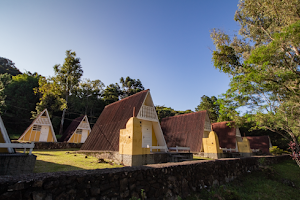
point(54, 145)
point(158, 181)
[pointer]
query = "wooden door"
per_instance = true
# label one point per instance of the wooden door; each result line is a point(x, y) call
point(44, 133)
point(146, 133)
point(84, 135)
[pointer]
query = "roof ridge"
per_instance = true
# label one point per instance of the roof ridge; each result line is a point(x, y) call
point(127, 97)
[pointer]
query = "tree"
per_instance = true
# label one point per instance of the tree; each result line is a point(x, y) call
point(211, 105)
point(130, 86)
point(87, 99)
point(163, 112)
point(50, 97)
point(20, 100)
point(68, 77)
point(112, 93)
point(263, 62)
point(7, 66)
point(55, 91)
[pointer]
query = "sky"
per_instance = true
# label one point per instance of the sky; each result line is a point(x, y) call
point(164, 43)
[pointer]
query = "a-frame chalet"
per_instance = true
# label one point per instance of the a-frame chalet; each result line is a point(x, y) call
point(129, 126)
point(230, 139)
point(78, 131)
point(4, 138)
point(187, 130)
point(40, 130)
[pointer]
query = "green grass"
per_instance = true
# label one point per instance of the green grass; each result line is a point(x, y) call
point(66, 160)
point(280, 181)
point(201, 158)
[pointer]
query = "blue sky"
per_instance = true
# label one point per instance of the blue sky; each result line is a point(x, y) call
point(164, 43)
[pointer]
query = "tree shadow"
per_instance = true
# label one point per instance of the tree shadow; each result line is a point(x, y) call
point(43, 166)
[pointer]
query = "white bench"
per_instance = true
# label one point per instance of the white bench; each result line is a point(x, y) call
point(19, 146)
point(158, 147)
point(177, 148)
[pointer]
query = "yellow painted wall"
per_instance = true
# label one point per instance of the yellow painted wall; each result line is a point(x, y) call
point(34, 136)
point(2, 150)
point(50, 136)
point(244, 146)
point(131, 138)
point(211, 144)
point(76, 138)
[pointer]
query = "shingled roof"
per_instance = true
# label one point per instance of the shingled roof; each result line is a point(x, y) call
point(106, 131)
point(260, 142)
point(226, 134)
point(70, 130)
point(185, 130)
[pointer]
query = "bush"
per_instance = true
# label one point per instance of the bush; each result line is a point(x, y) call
point(277, 151)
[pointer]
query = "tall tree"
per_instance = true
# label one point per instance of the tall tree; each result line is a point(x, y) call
point(130, 86)
point(264, 65)
point(68, 77)
point(112, 93)
point(211, 105)
point(7, 66)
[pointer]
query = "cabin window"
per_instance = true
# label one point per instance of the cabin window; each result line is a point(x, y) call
point(79, 131)
point(36, 127)
point(44, 114)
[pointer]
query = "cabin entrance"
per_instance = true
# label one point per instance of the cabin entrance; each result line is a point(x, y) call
point(44, 133)
point(84, 135)
point(146, 134)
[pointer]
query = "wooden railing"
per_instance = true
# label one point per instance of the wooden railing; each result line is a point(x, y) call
point(229, 150)
point(177, 148)
point(158, 147)
point(19, 146)
point(148, 112)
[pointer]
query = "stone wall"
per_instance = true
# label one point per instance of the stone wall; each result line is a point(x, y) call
point(137, 160)
point(16, 163)
point(54, 145)
point(159, 181)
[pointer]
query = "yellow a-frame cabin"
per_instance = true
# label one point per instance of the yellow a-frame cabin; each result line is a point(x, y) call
point(40, 130)
point(78, 131)
point(4, 138)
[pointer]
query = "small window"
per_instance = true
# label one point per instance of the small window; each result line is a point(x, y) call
point(79, 131)
point(36, 127)
point(44, 114)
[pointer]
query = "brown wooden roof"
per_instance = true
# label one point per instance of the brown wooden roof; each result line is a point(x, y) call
point(106, 131)
point(70, 130)
point(185, 130)
point(226, 134)
point(260, 142)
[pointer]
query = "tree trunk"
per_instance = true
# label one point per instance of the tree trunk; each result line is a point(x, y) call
point(61, 128)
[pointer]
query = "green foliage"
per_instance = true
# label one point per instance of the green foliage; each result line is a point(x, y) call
point(277, 151)
point(50, 97)
point(130, 86)
point(111, 93)
point(210, 104)
point(114, 92)
point(18, 100)
point(163, 112)
point(7, 66)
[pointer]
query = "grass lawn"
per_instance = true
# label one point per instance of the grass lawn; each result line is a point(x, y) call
point(280, 181)
point(201, 158)
point(64, 160)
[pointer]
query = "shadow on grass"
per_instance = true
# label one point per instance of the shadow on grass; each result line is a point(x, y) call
point(43, 166)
